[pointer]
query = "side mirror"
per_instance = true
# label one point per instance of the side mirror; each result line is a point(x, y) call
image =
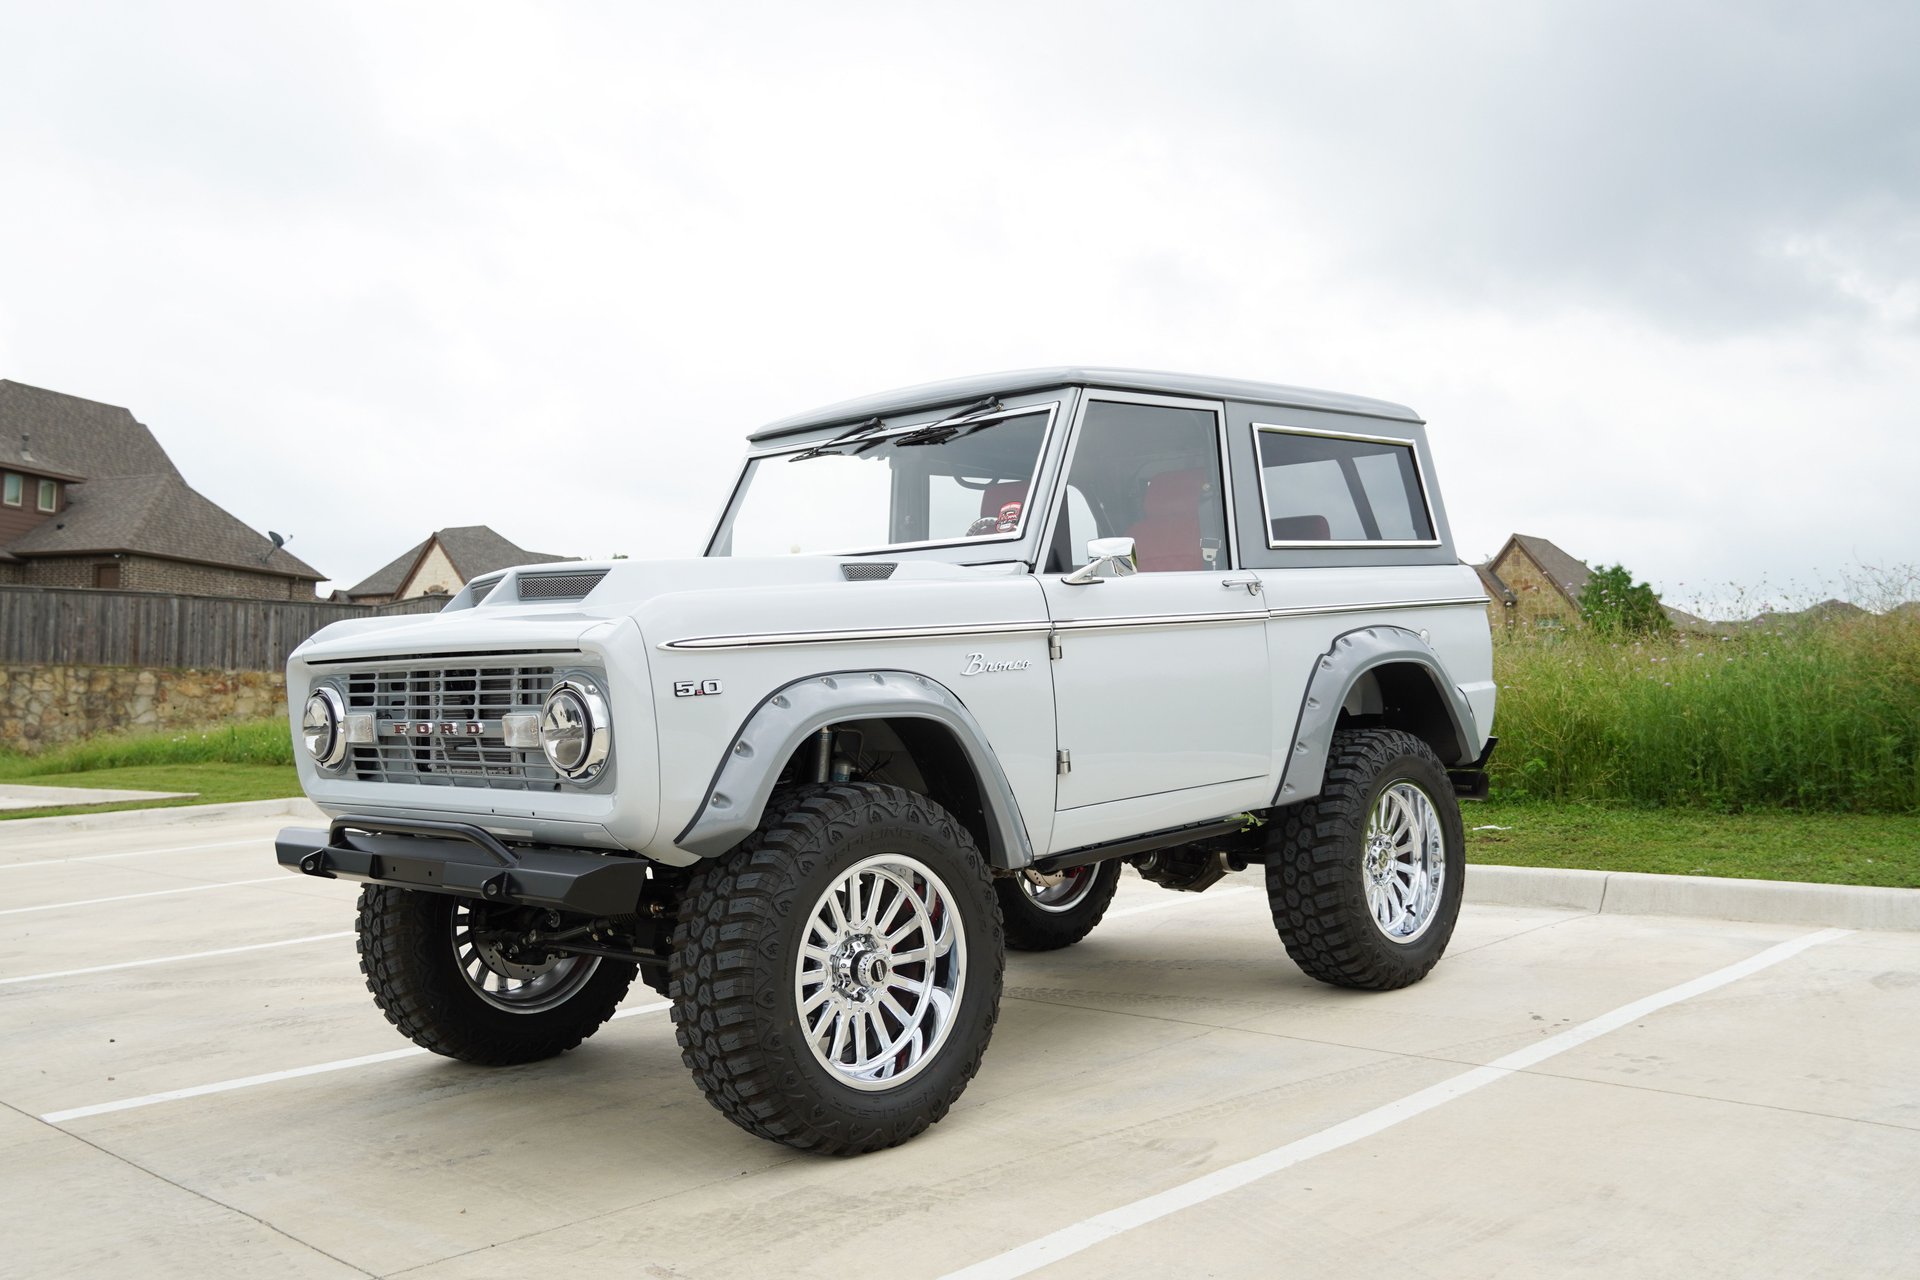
point(1106, 557)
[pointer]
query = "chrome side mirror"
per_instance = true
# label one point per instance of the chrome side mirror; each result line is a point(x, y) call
point(1106, 558)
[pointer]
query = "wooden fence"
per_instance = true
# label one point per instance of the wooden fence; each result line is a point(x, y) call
point(67, 627)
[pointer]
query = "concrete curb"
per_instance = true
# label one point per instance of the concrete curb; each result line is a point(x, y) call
point(182, 815)
point(1632, 893)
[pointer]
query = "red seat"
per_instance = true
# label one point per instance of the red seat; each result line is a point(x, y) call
point(1166, 538)
point(998, 497)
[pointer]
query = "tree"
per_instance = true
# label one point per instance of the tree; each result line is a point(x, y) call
point(1615, 605)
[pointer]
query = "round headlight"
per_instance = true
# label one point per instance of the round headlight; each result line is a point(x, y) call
point(574, 731)
point(321, 728)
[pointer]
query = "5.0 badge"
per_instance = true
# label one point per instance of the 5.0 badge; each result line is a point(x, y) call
point(695, 688)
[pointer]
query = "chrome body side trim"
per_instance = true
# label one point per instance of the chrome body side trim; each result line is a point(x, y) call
point(763, 639)
point(772, 638)
point(1321, 610)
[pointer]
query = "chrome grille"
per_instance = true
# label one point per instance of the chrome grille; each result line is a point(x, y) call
point(572, 585)
point(450, 696)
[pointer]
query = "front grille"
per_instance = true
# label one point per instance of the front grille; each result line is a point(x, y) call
point(572, 585)
point(450, 696)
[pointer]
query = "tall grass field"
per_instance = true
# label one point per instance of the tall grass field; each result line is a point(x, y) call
point(1812, 715)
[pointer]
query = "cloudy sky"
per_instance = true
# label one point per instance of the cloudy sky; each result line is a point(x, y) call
point(1651, 270)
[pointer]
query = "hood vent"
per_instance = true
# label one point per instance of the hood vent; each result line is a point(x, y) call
point(484, 588)
point(868, 570)
point(574, 584)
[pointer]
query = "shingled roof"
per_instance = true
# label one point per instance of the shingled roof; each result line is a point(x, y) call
point(1568, 574)
point(474, 549)
point(124, 494)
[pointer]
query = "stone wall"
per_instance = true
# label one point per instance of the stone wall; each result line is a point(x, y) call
point(49, 706)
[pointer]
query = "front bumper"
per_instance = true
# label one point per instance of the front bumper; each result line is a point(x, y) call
point(465, 861)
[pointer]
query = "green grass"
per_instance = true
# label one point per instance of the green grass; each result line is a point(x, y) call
point(1827, 848)
point(258, 742)
point(1818, 717)
point(215, 783)
point(252, 761)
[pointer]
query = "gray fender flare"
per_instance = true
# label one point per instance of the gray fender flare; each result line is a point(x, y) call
point(743, 782)
point(1334, 675)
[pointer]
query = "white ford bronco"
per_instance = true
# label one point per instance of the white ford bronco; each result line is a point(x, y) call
point(954, 654)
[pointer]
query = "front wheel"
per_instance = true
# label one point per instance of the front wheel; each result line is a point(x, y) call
point(1365, 879)
point(449, 974)
point(836, 977)
point(1045, 912)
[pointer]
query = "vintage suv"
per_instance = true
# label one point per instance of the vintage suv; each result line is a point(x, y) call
point(952, 656)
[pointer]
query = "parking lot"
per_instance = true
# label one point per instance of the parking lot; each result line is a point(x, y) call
point(196, 1082)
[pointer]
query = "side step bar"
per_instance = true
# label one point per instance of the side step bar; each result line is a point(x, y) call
point(466, 861)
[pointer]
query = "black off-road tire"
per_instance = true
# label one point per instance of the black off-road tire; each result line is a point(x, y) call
point(406, 953)
point(1315, 878)
point(1031, 927)
point(737, 946)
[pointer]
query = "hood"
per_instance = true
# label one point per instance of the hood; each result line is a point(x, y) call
point(559, 606)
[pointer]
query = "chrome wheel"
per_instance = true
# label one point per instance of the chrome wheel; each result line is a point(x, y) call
point(506, 984)
point(883, 964)
point(1060, 891)
point(1404, 863)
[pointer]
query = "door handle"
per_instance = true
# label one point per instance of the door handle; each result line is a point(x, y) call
point(1251, 584)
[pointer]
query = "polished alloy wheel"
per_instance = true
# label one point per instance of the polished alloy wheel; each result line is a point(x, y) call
point(1060, 891)
point(504, 984)
point(1404, 863)
point(882, 966)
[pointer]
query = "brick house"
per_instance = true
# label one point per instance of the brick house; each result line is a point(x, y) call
point(1543, 581)
point(444, 563)
point(88, 498)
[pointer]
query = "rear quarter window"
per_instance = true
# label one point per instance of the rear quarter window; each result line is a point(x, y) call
point(1322, 489)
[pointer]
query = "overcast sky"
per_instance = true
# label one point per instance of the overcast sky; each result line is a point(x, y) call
point(1650, 270)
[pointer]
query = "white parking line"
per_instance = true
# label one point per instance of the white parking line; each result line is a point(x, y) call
point(153, 893)
point(136, 853)
point(1081, 1236)
point(196, 955)
point(272, 1077)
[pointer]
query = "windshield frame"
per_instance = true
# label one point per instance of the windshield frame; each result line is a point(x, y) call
point(1030, 519)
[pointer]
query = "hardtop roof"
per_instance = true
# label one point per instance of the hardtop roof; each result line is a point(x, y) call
point(956, 391)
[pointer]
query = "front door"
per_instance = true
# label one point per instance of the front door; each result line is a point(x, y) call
point(1162, 686)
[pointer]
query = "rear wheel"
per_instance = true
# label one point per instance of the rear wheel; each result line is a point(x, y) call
point(446, 972)
point(836, 977)
point(1365, 880)
point(1045, 912)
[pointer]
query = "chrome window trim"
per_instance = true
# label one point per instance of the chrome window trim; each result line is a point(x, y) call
point(766, 639)
point(1093, 394)
point(1052, 410)
point(1266, 509)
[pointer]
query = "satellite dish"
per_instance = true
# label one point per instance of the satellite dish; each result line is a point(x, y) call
point(277, 540)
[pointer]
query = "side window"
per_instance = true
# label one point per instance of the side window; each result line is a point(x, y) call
point(1150, 473)
point(11, 493)
point(1321, 488)
point(49, 495)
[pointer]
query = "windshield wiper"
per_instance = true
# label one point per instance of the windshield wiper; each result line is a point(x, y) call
point(956, 426)
point(825, 448)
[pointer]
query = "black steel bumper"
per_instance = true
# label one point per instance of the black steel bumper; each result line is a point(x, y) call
point(464, 860)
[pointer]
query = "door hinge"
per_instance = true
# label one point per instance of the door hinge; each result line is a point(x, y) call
point(1063, 762)
point(1053, 645)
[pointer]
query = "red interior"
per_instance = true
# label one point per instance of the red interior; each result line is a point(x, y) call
point(1166, 538)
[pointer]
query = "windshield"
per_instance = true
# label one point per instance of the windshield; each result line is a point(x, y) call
point(875, 492)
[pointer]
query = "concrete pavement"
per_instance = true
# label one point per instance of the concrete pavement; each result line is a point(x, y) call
point(225, 1100)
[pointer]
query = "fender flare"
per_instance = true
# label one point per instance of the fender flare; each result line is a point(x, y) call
point(742, 783)
point(1351, 656)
